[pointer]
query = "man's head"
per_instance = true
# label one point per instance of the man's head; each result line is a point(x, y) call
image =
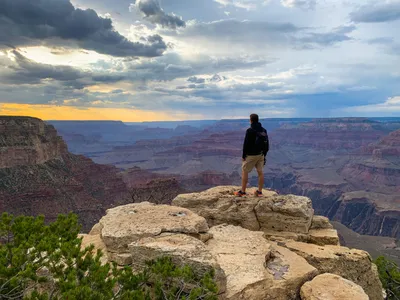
point(253, 118)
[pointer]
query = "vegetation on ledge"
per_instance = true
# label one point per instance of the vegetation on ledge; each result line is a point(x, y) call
point(43, 262)
point(389, 273)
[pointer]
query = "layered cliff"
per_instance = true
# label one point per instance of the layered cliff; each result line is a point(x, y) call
point(39, 176)
point(28, 141)
point(330, 134)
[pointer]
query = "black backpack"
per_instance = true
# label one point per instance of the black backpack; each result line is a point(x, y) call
point(262, 141)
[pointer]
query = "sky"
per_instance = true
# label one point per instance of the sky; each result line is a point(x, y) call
point(143, 60)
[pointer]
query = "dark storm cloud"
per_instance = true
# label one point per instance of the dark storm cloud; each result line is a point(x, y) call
point(26, 71)
point(377, 13)
point(35, 22)
point(153, 13)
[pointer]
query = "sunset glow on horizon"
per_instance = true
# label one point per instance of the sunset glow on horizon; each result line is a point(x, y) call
point(70, 113)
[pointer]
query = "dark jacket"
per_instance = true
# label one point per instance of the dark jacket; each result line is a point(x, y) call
point(249, 145)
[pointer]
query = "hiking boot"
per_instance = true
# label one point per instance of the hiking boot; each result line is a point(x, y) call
point(258, 193)
point(239, 194)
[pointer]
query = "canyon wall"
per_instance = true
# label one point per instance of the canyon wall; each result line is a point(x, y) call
point(28, 141)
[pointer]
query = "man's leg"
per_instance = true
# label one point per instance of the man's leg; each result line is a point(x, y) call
point(260, 172)
point(245, 179)
point(260, 180)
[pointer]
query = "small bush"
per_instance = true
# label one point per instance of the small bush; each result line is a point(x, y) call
point(42, 262)
point(389, 274)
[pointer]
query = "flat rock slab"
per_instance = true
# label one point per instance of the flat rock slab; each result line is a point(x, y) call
point(269, 212)
point(314, 236)
point(126, 224)
point(332, 287)
point(255, 269)
point(323, 237)
point(351, 264)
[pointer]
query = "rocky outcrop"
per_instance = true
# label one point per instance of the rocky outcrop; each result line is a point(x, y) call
point(248, 262)
point(28, 141)
point(124, 225)
point(255, 268)
point(277, 216)
point(270, 212)
point(351, 264)
point(332, 287)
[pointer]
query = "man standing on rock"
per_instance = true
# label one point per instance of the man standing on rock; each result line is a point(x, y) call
point(255, 149)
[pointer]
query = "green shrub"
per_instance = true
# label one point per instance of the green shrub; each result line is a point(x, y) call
point(41, 262)
point(389, 274)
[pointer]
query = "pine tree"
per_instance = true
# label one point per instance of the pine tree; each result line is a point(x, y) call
point(389, 274)
point(43, 262)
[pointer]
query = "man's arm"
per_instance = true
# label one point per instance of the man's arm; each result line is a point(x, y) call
point(245, 143)
point(267, 141)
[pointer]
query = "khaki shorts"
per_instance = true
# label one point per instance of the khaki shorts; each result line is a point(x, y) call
point(252, 161)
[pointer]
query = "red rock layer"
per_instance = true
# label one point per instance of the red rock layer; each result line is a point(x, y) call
point(329, 134)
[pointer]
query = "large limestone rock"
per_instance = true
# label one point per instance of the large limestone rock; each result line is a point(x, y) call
point(270, 212)
point(285, 213)
point(255, 268)
point(351, 264)
point(183, 250)
point(126, 224)
point(332, 287)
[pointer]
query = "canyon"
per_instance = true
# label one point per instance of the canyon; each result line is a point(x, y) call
point(39, 176)
point(348, 167)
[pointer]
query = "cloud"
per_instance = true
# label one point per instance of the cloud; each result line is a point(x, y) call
point(246, 4)
point(260, 36)
point(26, 71)
point(304, 4)
point(377, 13)
point(153, 13)
point(390, 107)
point(54, 22)
point(381, 41)
point(336, 35)
point(195, 79)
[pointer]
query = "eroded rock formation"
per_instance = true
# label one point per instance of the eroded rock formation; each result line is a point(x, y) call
point(270, 247)
point(331, 287)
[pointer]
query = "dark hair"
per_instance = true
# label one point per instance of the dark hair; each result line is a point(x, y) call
point(254, 118)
